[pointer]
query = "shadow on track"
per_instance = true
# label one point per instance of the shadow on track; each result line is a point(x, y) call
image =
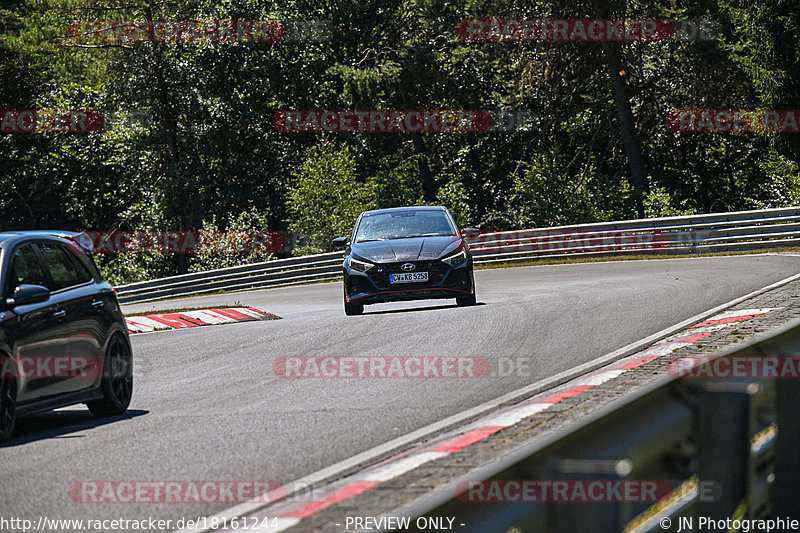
point(60, 425)
point(413, 309)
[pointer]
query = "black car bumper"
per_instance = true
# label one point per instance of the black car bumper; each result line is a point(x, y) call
point(374, 286)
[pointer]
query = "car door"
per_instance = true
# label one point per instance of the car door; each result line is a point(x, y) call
point(95, 302)
point(73, 290)
point(39, 336)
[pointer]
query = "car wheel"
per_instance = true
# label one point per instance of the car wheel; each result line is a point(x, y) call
point(8, 406)
point(352, 309)
point(117, 385)
point(463, 301)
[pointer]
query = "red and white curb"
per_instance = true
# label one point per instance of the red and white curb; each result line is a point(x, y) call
point(191, 319)
point(287, 513)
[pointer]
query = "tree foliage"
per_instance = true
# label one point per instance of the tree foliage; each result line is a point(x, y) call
point(325, 197)
point(189, 142)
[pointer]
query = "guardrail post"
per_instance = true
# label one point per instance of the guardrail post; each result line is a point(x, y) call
point(724, 444)
point(598, 517)
point(785, 495)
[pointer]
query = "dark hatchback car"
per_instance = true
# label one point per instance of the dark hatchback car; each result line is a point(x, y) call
point(63, 338)
point(407, 253)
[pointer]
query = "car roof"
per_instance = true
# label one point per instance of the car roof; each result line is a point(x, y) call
point(54, 232)
point(407, 208)
point(75, 237)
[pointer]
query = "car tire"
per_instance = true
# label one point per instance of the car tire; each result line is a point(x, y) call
point(117, 384)
point(465, 301)
point(352, 309)
point(8, 405)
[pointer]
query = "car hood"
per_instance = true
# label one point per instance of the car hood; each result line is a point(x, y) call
point(412, 249)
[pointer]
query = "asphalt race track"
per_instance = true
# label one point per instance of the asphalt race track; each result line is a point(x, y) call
point(207, 405)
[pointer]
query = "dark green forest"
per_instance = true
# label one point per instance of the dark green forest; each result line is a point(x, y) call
point(189, 141)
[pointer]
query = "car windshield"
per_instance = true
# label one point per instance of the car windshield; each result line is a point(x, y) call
point(404, 224)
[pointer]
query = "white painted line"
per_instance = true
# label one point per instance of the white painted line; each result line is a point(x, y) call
point(248, 312)
point(209, 316)
point(398, 467)
point(512, 416)
point(663, 349)
point(601, 377)
point(743, 312)
point(145, 324)
point(695, 331)
point(142, 323)
point(668, 347)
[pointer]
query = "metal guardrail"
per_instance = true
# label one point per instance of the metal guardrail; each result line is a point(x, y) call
point(729, 446)
point(281, 272)
point(742, 230)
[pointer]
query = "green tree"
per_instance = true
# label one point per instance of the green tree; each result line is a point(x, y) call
point(325, 197)
point(545, 194)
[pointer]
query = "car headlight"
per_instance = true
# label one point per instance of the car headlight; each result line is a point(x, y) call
point(361, 266)
point(456, 258)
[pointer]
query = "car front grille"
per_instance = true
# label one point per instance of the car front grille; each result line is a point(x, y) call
point(435, 269)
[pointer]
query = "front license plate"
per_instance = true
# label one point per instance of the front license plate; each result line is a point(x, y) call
point(411, 277)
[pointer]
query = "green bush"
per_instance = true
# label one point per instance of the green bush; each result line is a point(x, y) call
point(325, 197)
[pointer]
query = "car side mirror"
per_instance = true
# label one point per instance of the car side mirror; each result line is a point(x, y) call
point(28, 294)
point(340, 242)
point(470, 233)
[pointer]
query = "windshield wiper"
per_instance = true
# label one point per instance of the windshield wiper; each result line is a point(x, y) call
point(423, 235)
point(403, 237)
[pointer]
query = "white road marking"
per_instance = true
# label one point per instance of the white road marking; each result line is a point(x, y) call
point(601, 377)
point(399, 467)
point(513, 416)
